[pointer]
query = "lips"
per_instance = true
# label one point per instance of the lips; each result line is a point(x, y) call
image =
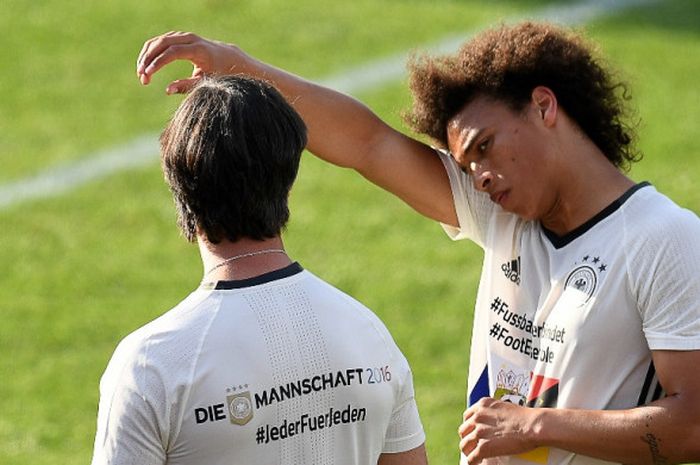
point(498, 197)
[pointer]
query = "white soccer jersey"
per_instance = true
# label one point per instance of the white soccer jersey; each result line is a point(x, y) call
point(570, 321)
point(278, 369)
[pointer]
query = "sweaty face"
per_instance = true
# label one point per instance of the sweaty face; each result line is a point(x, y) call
point(506, 153)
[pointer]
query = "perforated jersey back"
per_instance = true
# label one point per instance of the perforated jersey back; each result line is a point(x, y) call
point(290, 371)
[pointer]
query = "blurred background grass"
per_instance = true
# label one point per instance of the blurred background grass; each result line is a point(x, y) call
point(81, 270)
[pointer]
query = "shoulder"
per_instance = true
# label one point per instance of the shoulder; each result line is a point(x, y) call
point(653, 218)
point(346, 303)
point(344, 311)
point(159, 350)
point(171, 324)
point(663, 262)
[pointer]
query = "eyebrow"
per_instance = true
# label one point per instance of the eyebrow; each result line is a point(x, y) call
point(471, 137)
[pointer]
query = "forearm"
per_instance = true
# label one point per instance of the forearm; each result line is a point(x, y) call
point(666, 431)
point(341, 130)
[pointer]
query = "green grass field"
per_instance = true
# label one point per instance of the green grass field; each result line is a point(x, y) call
point(81, 270)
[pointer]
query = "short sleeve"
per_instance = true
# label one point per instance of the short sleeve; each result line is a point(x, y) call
point(130, 420)
point(665, 269)
point(405, 430)
point(474, 209)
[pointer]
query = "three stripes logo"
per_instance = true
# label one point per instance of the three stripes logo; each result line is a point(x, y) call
point(512, 270)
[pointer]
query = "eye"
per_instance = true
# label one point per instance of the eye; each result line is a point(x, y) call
point(483, 145)
point(464, 169)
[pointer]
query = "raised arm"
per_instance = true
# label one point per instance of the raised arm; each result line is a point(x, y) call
point(341, 130)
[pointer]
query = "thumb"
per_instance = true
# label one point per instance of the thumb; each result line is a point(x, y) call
point(181, 86)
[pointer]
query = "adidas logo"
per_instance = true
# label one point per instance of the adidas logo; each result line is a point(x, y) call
point(512, 270)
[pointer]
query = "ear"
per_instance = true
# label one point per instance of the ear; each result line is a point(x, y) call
point(544, 105)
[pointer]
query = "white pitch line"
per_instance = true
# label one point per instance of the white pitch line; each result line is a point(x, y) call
point(61, 179)
point(143, 150)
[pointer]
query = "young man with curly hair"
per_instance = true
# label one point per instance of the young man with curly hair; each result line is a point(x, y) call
point(264, 363)
point(587, 320)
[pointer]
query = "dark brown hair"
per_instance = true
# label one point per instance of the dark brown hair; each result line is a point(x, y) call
point(230, 155)
point(507, 63)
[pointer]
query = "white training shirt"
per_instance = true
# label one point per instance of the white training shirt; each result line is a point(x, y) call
point(571, 321)
point(278, 369)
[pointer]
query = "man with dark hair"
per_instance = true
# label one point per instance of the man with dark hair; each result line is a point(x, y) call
point(589, 299)
point(264, 363)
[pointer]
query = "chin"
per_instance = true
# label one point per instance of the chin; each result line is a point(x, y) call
point(527, 215)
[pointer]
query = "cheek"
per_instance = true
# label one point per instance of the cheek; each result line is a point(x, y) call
point(533, 193)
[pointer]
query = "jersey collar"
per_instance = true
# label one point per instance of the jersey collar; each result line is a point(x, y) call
point(560, 241)
point(287, 271)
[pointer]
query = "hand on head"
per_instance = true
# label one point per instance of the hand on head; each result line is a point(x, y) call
point(206, 56)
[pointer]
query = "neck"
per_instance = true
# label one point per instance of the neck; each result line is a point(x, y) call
point(245, 258)
point(590, 184)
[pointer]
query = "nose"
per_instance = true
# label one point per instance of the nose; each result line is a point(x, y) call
point(481, 176)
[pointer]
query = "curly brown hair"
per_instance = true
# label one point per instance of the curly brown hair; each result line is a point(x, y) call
point(507, 63)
